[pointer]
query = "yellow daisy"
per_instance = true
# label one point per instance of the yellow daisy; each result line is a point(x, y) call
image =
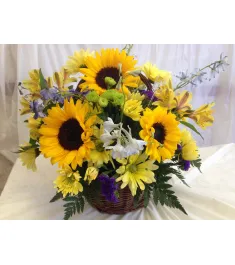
point(135, 171)
point(107, 64)
point(76, 61)
point(189, 146)
point(160, 131)
point(68, 181)
point(203, 115)
point(66, 134)
point(28, 156)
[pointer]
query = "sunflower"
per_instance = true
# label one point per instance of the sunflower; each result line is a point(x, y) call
point(66, 134)
point(161, 132)
point(110, 64)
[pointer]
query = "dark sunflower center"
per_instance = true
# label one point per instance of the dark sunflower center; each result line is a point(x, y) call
point(160, 132)
point(107, 72)
point(70, 135)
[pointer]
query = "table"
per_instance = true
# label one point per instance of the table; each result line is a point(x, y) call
point(211, 194)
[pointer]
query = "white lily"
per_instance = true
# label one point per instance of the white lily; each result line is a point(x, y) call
point(125, 144)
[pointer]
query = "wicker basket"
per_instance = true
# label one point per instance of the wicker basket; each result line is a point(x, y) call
point(124, 205)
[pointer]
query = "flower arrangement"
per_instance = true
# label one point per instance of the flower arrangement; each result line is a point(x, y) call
point(118, 132)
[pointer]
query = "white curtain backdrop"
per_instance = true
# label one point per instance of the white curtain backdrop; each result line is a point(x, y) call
point(17, 60)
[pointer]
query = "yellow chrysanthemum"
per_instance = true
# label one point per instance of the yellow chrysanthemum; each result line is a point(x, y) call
point(160, 131)
point(26, 106)
point(189, 146)
point(133, 109)
point(135, 171)
point(34, 125)
point(91, 174)
point(107, 64)
point(76, 61)
point(99, 155)
point(66, 134)
point(62, 79)
point(203, 115)
point(28, 156)
point(154, 74)
point(68, 181)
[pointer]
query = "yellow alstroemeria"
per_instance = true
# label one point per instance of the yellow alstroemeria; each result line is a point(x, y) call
point(189, 146)
point(203, 115)
point(28, 156)
point(33, 84)
point(34, 125)
point(26, 106)
point(62, 79)
point(166, 98)
point(182, 103)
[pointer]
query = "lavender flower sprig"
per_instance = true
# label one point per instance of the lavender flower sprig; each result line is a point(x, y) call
point(198, 76)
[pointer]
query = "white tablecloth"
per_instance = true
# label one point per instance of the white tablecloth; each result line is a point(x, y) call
point(211, 196)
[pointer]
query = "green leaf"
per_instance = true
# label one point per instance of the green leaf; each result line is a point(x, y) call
point(197, 163)
point(58, 196)
point(189, 125)
point(43, 82)
point(147, 194)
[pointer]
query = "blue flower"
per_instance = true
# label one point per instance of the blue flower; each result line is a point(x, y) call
point(37, 109)
point(48, 93)
point(108, 187)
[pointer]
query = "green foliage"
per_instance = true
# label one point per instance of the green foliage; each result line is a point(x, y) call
point(189, 125)
point(58, 196)
point(162, 189)
point(43, 82)
point(166, 197)
point(147, 194)
point(197, 163)
point(137, 198)
point(74, 204)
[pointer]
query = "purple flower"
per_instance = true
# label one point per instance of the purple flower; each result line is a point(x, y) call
point(186, 164)
point(48, 93)
point(37, 109)
point(108, 187)
point(149, 94)
point(179, 147)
